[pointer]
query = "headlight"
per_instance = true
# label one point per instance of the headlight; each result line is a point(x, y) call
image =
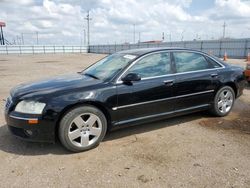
point(30, 107)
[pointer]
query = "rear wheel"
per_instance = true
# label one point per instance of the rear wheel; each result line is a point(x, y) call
point(223, 101)
point(82, 128)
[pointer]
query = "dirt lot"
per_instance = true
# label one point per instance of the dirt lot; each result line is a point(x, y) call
point(196, 150)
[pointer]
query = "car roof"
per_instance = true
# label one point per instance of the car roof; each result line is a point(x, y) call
point(142, 51)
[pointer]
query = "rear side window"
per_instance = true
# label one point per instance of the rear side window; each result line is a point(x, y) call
point(188, 61)
point(213, 63)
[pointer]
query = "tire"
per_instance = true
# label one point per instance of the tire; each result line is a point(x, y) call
point(223, 101)
point(82, 128)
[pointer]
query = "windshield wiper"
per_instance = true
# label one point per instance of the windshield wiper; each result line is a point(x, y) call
point(92, 76)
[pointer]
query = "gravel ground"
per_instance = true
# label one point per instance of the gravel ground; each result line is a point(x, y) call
point(196, 150)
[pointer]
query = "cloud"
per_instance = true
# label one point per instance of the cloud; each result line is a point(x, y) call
point(230, 9)
point(20, 2)
point(62, 21)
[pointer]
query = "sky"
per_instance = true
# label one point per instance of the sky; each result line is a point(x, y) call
point(114, 21)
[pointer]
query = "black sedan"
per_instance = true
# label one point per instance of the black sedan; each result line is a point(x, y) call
point(126, 88)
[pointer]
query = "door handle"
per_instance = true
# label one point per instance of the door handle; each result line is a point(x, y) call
point(215, 75)
point(168, 82)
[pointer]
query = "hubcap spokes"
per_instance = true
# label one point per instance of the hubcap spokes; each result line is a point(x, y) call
point(85, 129)
point(225, 101)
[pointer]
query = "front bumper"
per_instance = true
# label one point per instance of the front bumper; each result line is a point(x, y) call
point(42, 131)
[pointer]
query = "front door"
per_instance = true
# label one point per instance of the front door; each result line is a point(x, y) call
point(151, 96)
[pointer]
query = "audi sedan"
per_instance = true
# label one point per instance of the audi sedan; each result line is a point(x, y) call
point(126, 88)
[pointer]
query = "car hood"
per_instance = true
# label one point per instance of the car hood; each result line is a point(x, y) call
point(52, 85)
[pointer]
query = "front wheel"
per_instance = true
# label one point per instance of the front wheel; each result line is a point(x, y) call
point(223, 101)
point(82, 128)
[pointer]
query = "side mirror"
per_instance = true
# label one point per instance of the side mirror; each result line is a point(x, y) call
point(131, 77)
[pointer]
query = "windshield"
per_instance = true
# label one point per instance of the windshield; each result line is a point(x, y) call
point(109, 66)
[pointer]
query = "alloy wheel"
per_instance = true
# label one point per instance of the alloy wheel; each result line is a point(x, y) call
point(85, 130)
point(225, 101)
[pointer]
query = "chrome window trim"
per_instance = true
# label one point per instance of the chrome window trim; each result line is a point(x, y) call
point(159, 100)
point(119, 81)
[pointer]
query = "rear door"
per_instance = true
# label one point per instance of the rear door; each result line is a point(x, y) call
point(195, 80)
point(152, 95)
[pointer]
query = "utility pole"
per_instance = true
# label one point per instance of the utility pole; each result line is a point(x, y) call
point(139, 37)
point(182, 35)
point(163, 36)
point(37, 42)
point(224, 29)
point(134, 33)
point(88, 19)
point(17, 39)
point(197, 36)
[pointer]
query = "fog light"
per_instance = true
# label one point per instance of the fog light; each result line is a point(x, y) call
point(28, 132)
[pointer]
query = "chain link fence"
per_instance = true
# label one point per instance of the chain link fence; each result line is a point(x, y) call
point(41, 49)
point(235, 48)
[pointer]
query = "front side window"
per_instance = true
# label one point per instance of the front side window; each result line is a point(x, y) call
point(157, 64)
point(188, 61)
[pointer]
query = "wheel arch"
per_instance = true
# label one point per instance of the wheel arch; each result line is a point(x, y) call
point(96, 104)
point(233, 86)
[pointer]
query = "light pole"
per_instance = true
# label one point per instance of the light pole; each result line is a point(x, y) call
point(88, 19)
point(22, 39)
point(84, 37)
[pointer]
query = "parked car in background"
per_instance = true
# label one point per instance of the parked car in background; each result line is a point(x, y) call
point(125, 88)
point(247, 72)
